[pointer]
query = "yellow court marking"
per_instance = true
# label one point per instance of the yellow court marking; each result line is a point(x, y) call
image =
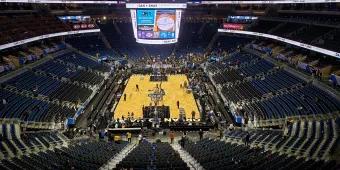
point(173, 93)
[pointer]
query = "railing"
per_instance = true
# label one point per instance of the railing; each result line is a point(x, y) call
point(285, 40)
point(13, 44)
point(132, 146)
point(31, 124)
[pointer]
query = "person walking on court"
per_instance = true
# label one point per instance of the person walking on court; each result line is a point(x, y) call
point(193, 113)
point(124, 96)
point(185, 84)
point(177, 104)
point(172, 136)
point(137, 87)
point(129, 135)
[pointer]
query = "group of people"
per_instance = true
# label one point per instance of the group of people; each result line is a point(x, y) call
point(184, 137)
point(125, 95)
point(126, 122)
point(172, 136)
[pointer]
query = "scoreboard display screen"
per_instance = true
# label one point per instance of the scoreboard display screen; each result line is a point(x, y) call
point(156, 24)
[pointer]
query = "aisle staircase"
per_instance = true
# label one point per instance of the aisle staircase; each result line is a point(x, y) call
point(212, 41)
point(187, 158)
point(105, 41)
point(112, 163)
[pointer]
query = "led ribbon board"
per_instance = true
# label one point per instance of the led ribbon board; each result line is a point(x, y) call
point(154, 23)
point(59, 2)
point(303, 45)
point(156, 5)
point(272, 2)
point(9, 45)
point(180, 5)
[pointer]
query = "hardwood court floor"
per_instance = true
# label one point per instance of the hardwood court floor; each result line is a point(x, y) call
point(173, 93)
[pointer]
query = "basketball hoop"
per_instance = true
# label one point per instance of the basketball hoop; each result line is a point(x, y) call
point(156, 96)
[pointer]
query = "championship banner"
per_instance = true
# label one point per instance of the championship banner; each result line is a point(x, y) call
point(83, 26)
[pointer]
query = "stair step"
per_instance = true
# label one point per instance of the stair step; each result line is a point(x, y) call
point(187, 158)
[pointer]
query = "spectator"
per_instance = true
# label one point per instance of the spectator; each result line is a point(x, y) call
point(140, 138)
point(26, 114)
point(183, 140)
point(4, 102)
point(92, 108)
point(320, 75)
point(129, 135)
point(200, 133)
point(221, 133)
point(35, 89)
point(231, 127)
point(317, 99)
point(285, 132)
point(247, 139)
point(172, 136)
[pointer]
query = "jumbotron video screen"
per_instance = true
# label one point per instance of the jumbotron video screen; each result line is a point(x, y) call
point(156, 26)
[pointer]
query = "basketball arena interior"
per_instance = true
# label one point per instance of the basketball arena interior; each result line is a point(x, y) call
point(169, 84)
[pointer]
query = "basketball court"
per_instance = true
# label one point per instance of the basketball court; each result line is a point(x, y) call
point(135, 100)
